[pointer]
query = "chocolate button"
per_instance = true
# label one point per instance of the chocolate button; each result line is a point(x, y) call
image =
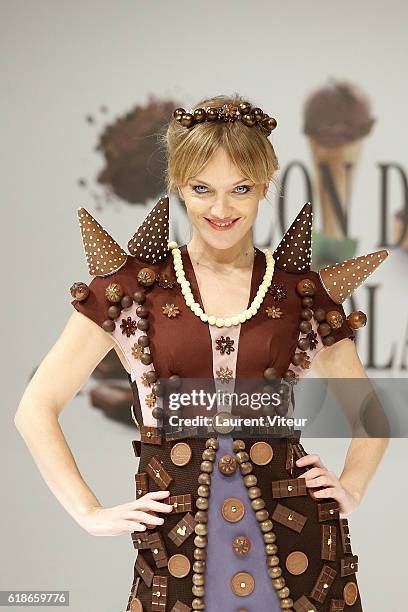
point(233, 509)
point(136, 606)
point(261, 453)
point(350, 593)
point(222, 422)
point(180, 453)
point(297, 562)
point(241, 545)
point(179, 566)
point(242, 584)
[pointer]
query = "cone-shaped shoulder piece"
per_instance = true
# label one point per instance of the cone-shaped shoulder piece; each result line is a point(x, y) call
point(103, 254)
point(341, 279)
point(149, 243)
point(294, 252)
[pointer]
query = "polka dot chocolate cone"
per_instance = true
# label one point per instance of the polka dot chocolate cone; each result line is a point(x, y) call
point(294, 252)
point(341, 279)
point(149, 243)
point(103, 254)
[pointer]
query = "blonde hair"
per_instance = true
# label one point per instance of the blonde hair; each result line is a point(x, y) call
point(189, 149)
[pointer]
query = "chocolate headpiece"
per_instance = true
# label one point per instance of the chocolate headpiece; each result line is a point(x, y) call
point(341, 279)
point(103, 254)
point(149, 243)
point(227, 112)
point(294, 252)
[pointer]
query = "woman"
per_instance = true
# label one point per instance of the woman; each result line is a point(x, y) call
point(225, 519)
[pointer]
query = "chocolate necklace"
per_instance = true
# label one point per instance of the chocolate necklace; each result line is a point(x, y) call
point(211, 319)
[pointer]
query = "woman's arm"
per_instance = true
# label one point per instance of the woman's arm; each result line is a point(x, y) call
point(62, 373)
point(339, 363)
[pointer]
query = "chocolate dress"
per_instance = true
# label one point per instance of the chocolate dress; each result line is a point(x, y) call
point(245, 533)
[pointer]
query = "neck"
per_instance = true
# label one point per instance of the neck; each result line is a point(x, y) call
point(239, 255)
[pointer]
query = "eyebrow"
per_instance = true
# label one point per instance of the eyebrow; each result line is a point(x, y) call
point(204, 183)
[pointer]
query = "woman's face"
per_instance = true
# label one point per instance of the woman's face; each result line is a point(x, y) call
point(221, 204)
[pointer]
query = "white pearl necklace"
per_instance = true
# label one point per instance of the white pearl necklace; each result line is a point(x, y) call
point(211, 319)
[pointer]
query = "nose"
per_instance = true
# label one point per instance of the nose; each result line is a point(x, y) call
point(221, 209)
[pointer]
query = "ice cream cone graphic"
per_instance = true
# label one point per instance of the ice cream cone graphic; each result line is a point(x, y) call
point(337, 118)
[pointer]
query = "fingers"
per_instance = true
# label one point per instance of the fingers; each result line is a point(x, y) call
point(145, 517)
point(321, 481)
point(312, 473)
point(134, 526)
point(155, 505)
point(328, 492)
point(309, 460)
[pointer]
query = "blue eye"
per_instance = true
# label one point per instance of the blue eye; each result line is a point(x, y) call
point(248, 189)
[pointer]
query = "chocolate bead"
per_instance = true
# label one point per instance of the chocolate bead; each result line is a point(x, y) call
point(208, 454)
point(175, 381)
point(201, 529)
point(305, 327)
point(323, 329)
point(296, 359)
point(306, 314)
point(157, 412)
point(198, 604)
point(108, 325)
point(270, 373)
point(306, 287)
point(204, 478)
point(200, 554)
point(266, 525)
point(278, 583)
point(261, 515)
point(212, 443)
point(198, 579)
point(79, 291)
point(158, 389)
point(250, 480)
point(357, 319)
point(271, 549)
point(139, 296)
point(238, 445)
point(328, 340)
point(146, 277)
point(114, 292)
point(319, 314)
point(143, 324)
point(146, 358)
point(242, 456)
point(151, 376)
point(272, 560)
point(207, 466)
point(258, 504)
point(143, 341)
point(126, 301)
point(201, 541)
point(334, 318)
point(287, 603)
point(203, 491)
point(114, 312)
point(254, 492)
point(290, 376)
point(202, 504)
point(201, 516)
point(303, 343)
point(227, 465)
point(199, 567)
point(274, 572)
point(246, 468)
point(307, 301)
point(269, 538)
point(142, 311)
point(198, 591)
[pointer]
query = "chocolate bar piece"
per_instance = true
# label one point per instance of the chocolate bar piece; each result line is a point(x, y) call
point(180, 503)
point(158, 473)
point(142, 484)
point(139, 539)
point(183, 529)
point(289, 488)
point(298, 452)
point(345, 536)
point(290, 459)
point(288, 517)
point(179, 606)
point(159, 593)
point(327, 511)
point(349, 565)
point(328, 542)
point(323, 583)
point(304, 605)
point(150, 435)
point(158, 548)
point(144, 570)
point(137, 446)
point(337, 605)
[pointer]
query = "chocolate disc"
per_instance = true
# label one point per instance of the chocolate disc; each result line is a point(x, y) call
point(179, 566)
point(136, 605)
point(297, 562)
point(261, 453)
point(350, 593)
point(242, 584)
point(181, 453)
point(233, 509)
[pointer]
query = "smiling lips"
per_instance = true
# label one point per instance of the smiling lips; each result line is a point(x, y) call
point(221, 225)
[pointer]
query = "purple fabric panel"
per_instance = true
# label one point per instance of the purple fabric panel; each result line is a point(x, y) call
point(222, 562)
